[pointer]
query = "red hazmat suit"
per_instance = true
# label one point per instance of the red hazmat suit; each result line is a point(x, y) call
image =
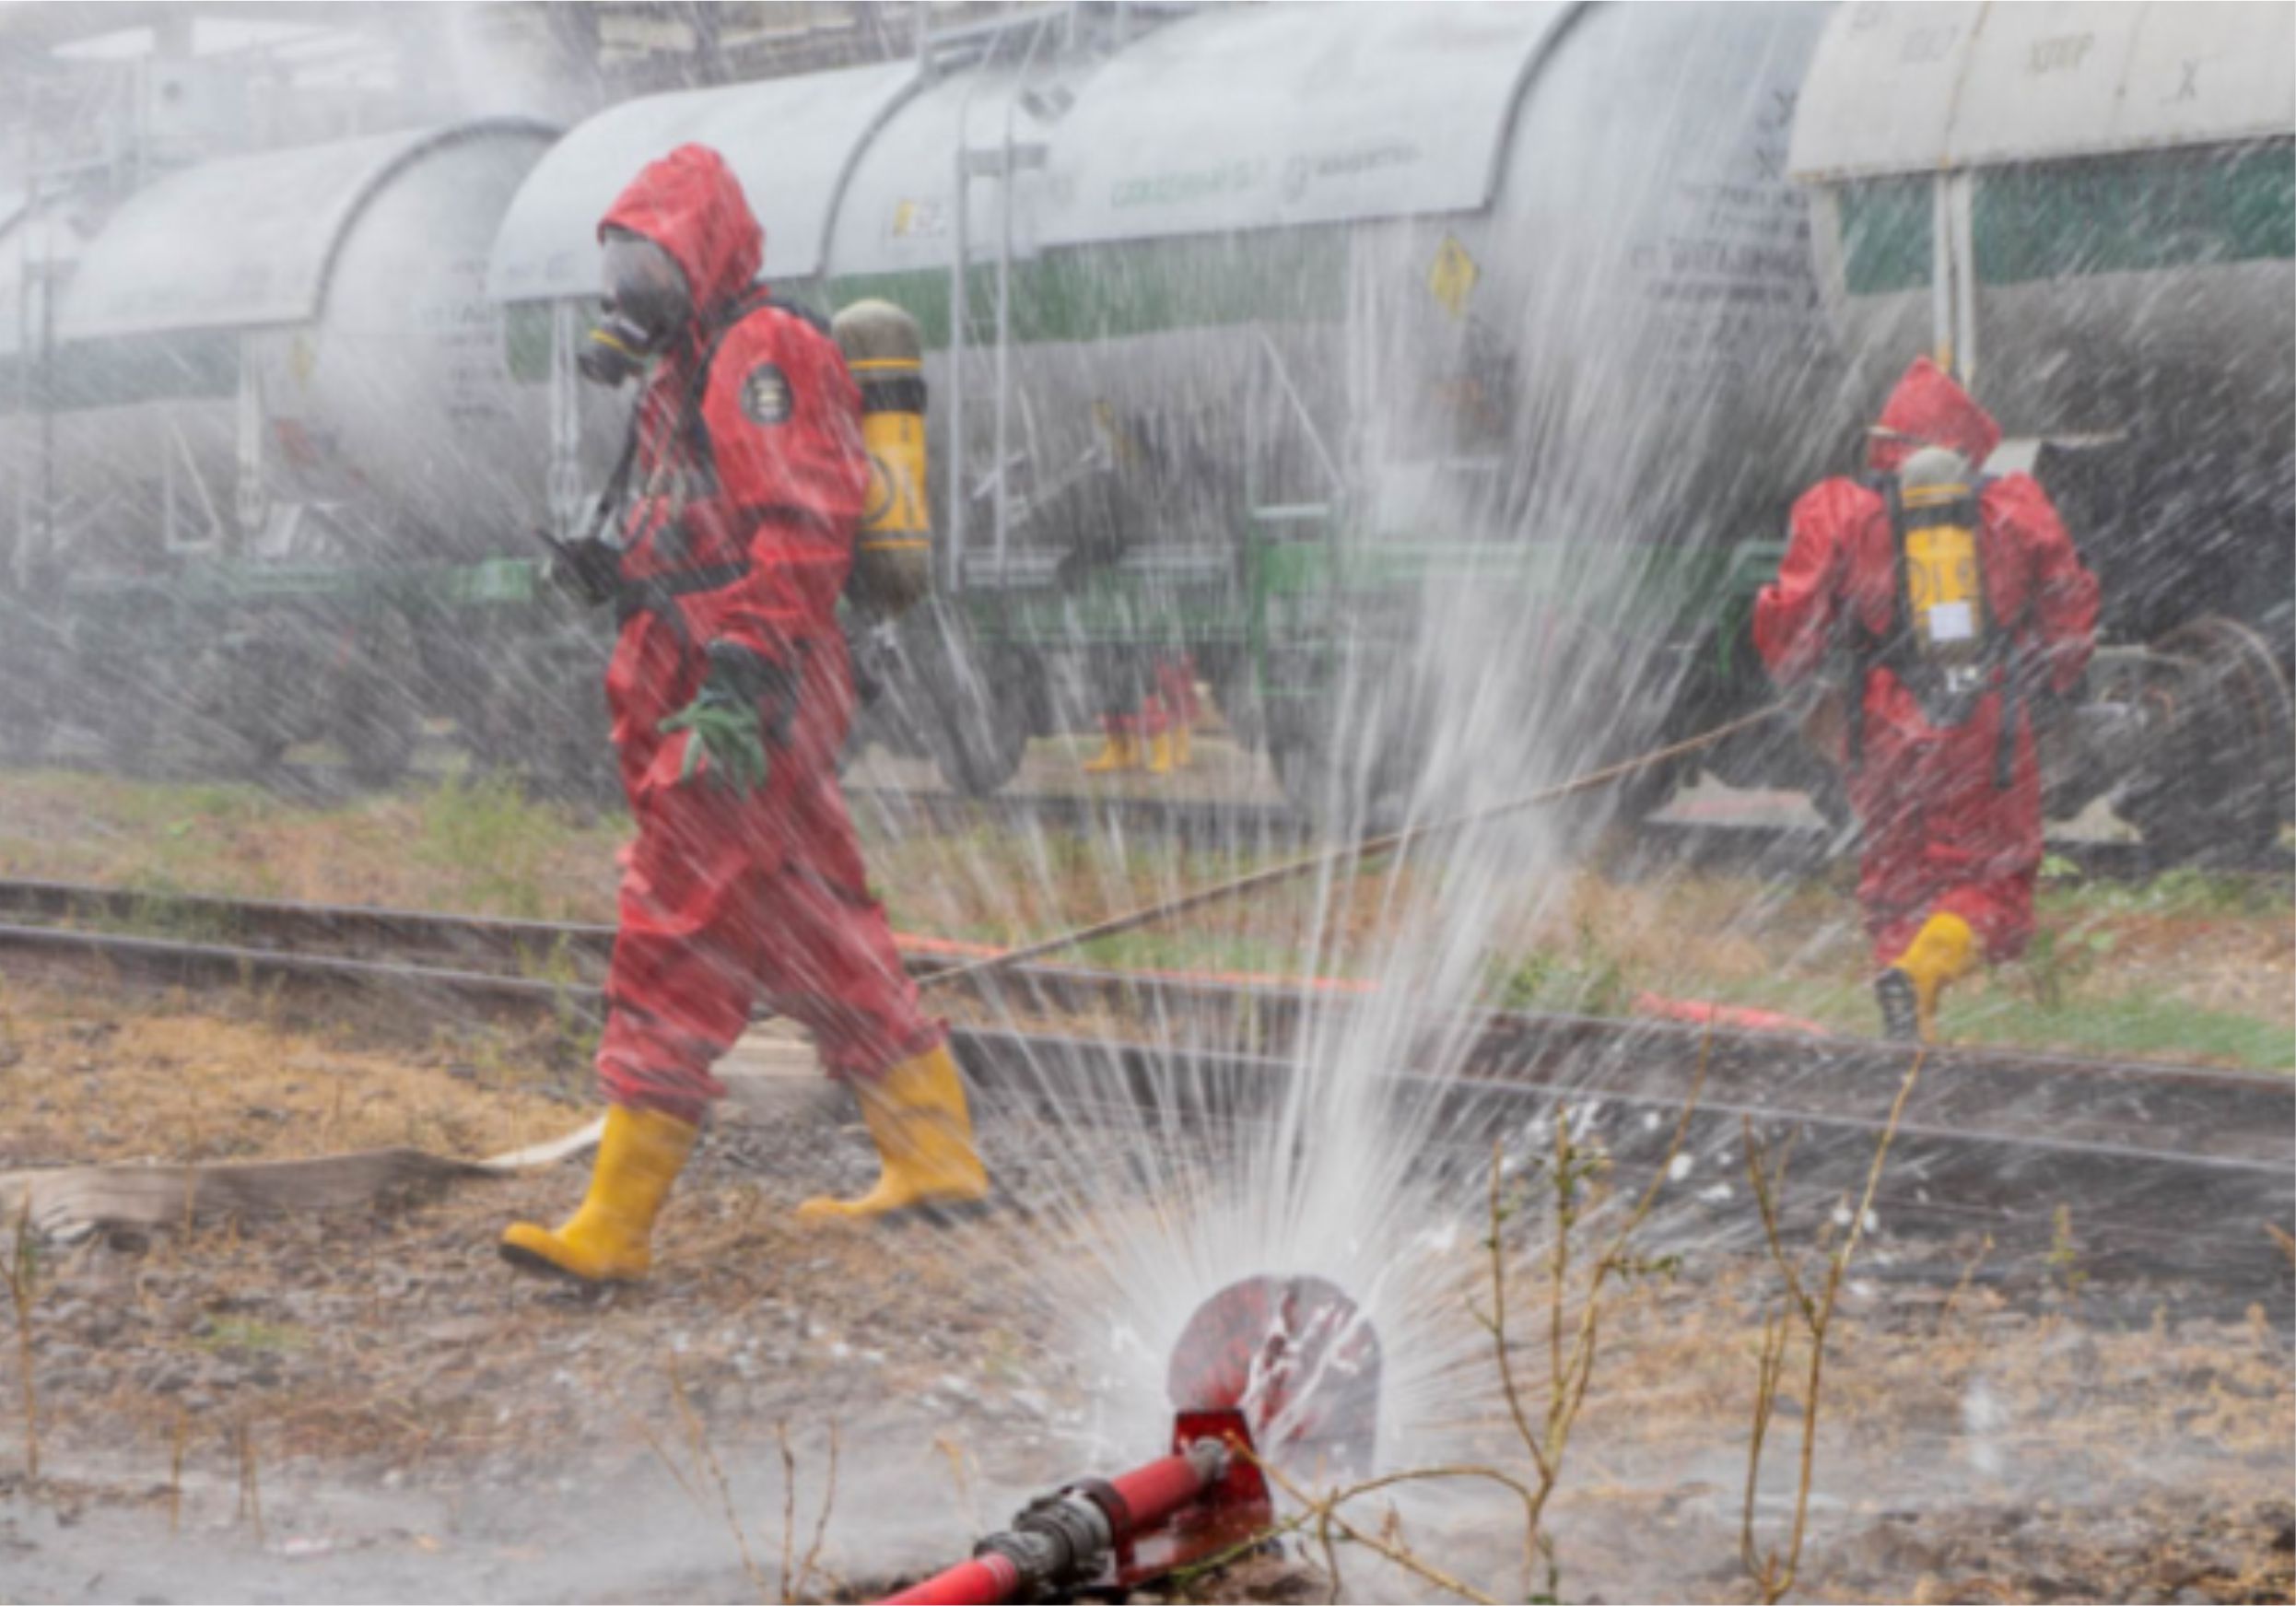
point(739, 532)
point(1941, 834)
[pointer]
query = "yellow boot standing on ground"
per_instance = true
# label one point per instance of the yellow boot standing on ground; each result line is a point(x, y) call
point(609, 1239)
point(924, 1133)
point(1118, 751)
point(1159, 724)
point(1943, 951)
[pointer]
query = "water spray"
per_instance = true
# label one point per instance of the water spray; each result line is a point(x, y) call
point(1281, 1367)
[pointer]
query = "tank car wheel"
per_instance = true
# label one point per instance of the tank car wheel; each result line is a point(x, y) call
point(2219, 786)
point(1362, 789)
point(377, 708)
point(980, 732)
point(127, 724)
point(23, 735)
point(1830, 797)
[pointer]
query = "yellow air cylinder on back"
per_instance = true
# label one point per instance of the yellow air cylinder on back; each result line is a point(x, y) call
point(893, 559)
point(1940, 547)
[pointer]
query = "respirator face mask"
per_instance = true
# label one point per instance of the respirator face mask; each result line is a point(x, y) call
point(646, 303)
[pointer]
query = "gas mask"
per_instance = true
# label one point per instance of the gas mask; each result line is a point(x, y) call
point(646, 303)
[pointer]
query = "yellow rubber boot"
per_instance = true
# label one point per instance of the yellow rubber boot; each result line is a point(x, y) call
point(1117, 753)
point(1183, 746)
point(609, 1238)
point(924, 1141)
point(1943, 951)
point(1160, 754)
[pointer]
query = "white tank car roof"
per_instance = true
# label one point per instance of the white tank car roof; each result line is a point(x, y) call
point(246, 242)
point(1912, 89)
point(789, 140)
point(1234, 117)
point(1271, 116)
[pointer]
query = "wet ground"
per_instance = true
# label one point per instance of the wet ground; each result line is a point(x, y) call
point(367, 1405)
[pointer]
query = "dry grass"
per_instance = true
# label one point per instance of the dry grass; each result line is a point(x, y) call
point(23, 1275)
point(99, 1079)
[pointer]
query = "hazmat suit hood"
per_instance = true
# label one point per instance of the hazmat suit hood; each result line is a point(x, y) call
point(691, 205)
point(1929, 408)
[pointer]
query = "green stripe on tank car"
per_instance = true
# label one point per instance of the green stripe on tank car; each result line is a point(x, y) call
point(2139, 212)
point(1099, 292)
point(1885, 235)
point(1105, 292)
point(2136, 214)
point(526, 341)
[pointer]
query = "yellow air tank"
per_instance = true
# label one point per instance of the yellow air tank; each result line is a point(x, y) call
point(893, 560)
point(1944, 595)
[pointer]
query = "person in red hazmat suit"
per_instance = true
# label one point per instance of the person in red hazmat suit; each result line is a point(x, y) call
point(738, 501)
point(1946, 601)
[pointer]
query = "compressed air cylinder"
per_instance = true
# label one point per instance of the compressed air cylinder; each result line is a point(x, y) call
point(893, 560)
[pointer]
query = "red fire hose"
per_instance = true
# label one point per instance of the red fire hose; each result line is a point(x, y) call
point(1147, 1522)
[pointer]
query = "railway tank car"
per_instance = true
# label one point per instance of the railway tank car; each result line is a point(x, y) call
point(272, 403)
point(1224, 286)
point(2090, 212)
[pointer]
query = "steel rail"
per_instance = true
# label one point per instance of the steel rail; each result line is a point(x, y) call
point(1658, 843)
point(379, 942)
point(2127, 1210)
point(2177, 1168)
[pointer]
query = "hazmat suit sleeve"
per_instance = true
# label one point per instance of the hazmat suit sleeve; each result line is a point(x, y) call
point(1794, 614)
point(783, 422)
point(2064, 594)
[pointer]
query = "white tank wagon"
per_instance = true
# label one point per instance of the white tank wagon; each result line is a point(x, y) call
point(1273, 299)
point(2089, 211)
point(255, 340)
point(271, 400)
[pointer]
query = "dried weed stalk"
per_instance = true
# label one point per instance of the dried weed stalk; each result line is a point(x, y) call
point(1572, 1348)
point(179, 1440)
point(1810, 1317)
point(697, 1441)
point(798, 1572)
point(251, 1485)
point(23, 1277)
point(1968, 1276)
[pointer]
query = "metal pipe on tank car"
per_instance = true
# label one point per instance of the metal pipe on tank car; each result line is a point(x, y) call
point(1005, 297)
point(961, 236)
point(1940, 276)
point(1961, 192)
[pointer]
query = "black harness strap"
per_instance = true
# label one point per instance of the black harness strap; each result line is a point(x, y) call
point(659, 593)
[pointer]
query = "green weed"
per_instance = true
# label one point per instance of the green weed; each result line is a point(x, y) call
point(1585, 978)
point(493, 840)
point(245, 1332)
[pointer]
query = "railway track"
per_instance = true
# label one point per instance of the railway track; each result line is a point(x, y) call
point(1653, 845)
point(2154, 1170)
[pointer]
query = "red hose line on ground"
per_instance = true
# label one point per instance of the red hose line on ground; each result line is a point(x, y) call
point(1698, 1013)
point(983, 1580)
point(1067, 1541)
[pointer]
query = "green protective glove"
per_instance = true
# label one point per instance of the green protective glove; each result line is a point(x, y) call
point(726, 723)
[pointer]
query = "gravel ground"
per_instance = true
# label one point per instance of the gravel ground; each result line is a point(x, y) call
point(367, 1405)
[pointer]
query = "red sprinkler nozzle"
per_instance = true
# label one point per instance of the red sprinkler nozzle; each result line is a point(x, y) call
point(1121, 1532)
point(1289, 1362)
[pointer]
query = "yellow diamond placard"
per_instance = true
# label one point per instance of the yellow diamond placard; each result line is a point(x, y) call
point(1451, 277)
